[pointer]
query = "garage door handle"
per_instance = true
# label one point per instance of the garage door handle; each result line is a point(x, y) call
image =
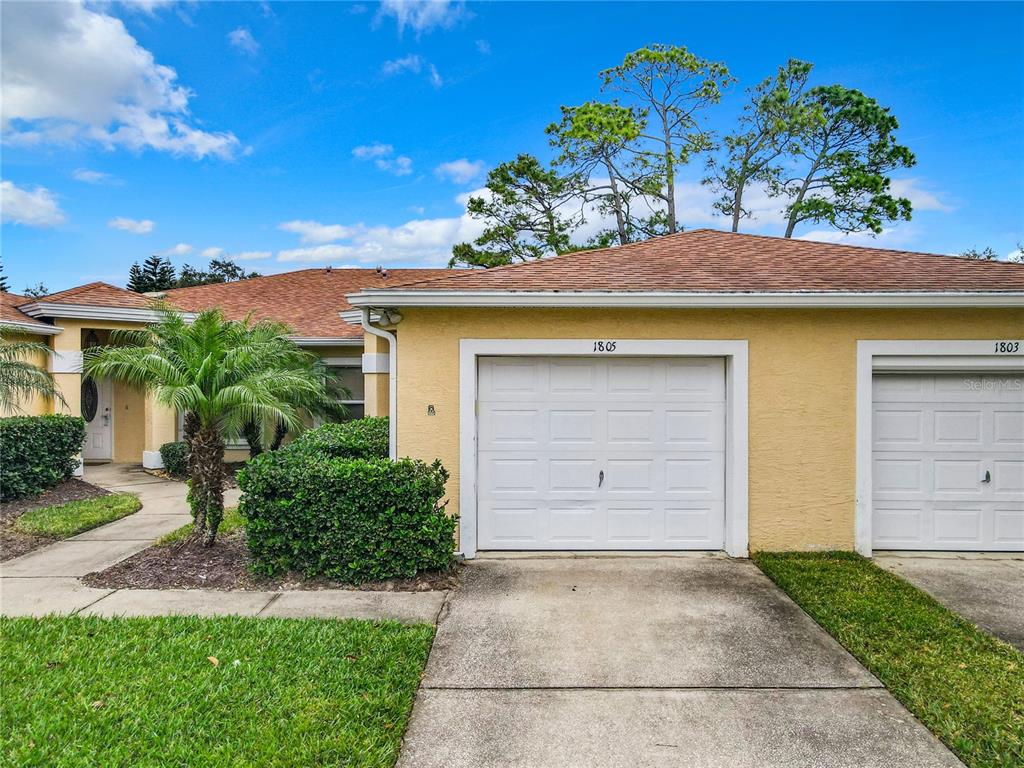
point(600, 478)
point(987, 478)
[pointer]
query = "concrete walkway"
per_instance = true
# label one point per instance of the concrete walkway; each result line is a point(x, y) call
point(985, 589)
point(650, 661)
point(47, 580)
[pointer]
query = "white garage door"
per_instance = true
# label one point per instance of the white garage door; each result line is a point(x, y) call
point(948, 465)
point(591, 453)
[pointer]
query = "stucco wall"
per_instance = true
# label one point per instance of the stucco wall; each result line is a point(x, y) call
point(33, 405)
point(802, 392)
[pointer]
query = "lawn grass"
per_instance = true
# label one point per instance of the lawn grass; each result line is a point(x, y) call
point(63, 520)
point(206, 692)
point(966, 686)
point(232, 522)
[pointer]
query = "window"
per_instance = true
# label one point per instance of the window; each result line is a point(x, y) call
point(348, 372)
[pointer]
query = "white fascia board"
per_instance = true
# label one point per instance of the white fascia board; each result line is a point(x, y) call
point(323, 341)
point(87, 312)
point(676, 299)
point(39, 330)
point(355, 316)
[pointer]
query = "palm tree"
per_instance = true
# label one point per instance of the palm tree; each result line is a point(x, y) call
point(222, 374)
point(20, 379)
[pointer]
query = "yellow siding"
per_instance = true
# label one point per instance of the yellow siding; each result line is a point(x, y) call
point(34, 405)
point(802, 392)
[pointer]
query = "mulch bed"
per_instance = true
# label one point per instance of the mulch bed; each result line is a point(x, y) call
point(230, 474)
point(14, 543)
point(225, 565)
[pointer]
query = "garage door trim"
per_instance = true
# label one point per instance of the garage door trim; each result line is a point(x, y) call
point(736, 387)
point(924, 356)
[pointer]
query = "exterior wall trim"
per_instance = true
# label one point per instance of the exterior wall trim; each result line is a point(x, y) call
point(736, 387)
point(375, 362)
point(86, 312)
point(679, 299)
point(36, 328)
point(325, 341)
point(910, 356)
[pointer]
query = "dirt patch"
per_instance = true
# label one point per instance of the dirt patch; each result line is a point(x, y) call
point(230, 473)
point(14, 543)
point(226, 566)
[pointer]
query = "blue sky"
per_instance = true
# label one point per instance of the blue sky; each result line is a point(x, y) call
point(293, 135)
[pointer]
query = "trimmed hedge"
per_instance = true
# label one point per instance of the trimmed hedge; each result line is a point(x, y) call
point(350, 519)
point(356, 439)
point(175, 458)
point(38, 452)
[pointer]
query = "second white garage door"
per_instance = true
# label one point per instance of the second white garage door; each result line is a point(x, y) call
point(601, 453)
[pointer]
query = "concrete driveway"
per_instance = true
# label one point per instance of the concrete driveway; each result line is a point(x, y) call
point(647, 661)
point(985, 589)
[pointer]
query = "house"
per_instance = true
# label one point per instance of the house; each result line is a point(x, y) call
point(717, 391)
point(699, 391)
point(124, 424)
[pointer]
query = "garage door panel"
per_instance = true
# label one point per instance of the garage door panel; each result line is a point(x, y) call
point(600, 453)
point(948, 462)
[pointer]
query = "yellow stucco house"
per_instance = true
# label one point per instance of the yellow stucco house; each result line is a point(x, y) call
point(705, 390)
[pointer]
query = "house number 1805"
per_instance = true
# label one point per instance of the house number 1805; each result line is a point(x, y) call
point(604, 346)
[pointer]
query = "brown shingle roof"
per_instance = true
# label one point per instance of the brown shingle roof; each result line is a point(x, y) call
point(9, 312)
point(705, 260)
point(98, 295)
point(308, 300)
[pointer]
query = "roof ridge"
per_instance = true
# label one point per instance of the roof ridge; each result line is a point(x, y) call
point(249, 280)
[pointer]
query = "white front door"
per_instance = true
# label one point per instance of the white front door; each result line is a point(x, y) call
point(96, 410)
point(948, 462)
point(579, 453)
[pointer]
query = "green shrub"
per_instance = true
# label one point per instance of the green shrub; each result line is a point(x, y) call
point(37, 452)
point(356, 439)
point(175, 458)
point(350, 519)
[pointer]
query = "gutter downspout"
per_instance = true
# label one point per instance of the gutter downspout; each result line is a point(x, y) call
point(392, 380)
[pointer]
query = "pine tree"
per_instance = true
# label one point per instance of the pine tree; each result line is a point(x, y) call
point(4, 285)
point(155, 274)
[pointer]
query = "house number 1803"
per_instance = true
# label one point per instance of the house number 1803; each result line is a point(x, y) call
point(604, 346)
point(1007, 347)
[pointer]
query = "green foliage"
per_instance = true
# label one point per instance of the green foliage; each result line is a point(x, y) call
point(527, 215)
point(132, 692)
point(63, 520)
point(966, 686)
point(755, 151)
point(20, 378)
point(986, 254)
point(669, 88)
point(356, 439)
point(175, 458)
point(222, 374)
point(155, 274)
point(5, 286)
point(37, 452)
point(845, 153)
point(350, 519)
point(218, 271)
point(36, 291)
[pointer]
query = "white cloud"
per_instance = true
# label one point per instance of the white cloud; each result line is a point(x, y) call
point(889, 237)
point(315, 232)
point(410, 63)
point(920, 199)
point(212, 252)
point(369, 151)
point(383, 156)
point(32, 208)
point(422, 15)
point(243, 40)
point(435, 77)
point(93, 177)
point(135, 226)
point(483, 47)
point(461, 171)
point(75, 74)
point(181, 249)
point(250, 255)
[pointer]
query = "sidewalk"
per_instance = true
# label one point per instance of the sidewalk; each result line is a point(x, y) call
point(47, 580)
